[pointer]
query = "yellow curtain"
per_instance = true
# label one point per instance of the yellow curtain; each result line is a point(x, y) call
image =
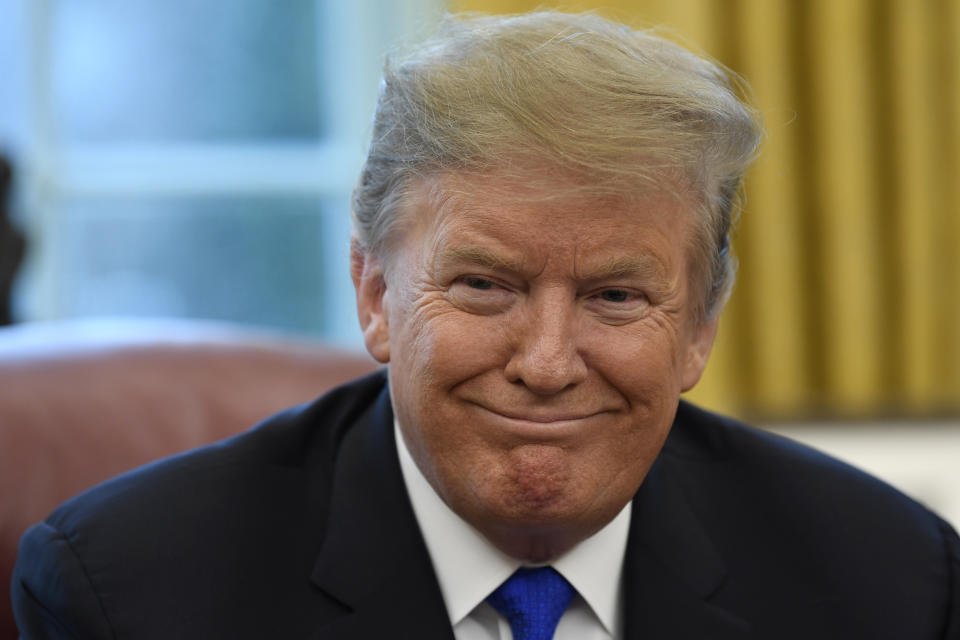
point(848, 299)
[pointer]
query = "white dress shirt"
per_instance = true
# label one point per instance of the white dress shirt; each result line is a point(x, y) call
point(469, 568)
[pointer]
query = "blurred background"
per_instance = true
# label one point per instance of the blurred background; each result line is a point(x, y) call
point(195, 159)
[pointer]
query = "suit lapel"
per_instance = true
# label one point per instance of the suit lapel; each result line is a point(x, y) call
point(671, 569)
point(373, 559)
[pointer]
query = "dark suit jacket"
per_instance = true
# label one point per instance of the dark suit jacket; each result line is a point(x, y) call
point(302, 528)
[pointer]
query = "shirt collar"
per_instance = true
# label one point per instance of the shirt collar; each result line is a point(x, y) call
point(469, 567)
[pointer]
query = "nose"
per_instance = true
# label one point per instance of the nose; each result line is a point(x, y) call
point(546, 358)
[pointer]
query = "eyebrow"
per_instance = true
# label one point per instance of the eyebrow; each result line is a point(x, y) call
point(644, 266)
point(480, 257)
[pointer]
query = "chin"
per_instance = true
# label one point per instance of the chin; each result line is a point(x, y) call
point(538, 535)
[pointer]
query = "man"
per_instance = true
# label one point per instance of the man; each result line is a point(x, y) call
point(540, 257)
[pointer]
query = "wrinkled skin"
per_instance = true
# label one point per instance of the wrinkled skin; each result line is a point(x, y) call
point(537, 349)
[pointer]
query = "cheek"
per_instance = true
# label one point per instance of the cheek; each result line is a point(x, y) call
point(643, 362)
point(445, 346)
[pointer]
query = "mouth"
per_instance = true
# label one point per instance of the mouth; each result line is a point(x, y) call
point(541, 417)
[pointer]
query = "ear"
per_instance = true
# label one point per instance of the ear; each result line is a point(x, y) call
point(698, 352)
point(371, 288)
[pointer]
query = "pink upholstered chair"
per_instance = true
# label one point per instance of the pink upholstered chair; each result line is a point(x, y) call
point(83, 401)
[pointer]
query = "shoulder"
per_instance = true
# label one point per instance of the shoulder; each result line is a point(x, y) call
point(302, 439)
point(252, 506)
point(778, 474)
point(776, 508)
point(297, 443)
point(774, 466)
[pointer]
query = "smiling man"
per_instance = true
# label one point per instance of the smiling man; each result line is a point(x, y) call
point(541, 254)
point(537, 348)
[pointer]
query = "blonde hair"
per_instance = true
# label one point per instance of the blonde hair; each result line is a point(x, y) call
point(618, 110)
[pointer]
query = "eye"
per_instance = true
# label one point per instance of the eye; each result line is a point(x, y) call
point(475, 282)
point(615, 295)
point(480, 295)
point(618, 305)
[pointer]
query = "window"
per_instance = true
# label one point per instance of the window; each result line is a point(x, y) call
point(195, 159)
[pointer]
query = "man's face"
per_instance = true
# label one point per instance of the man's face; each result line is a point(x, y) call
point(537, 349)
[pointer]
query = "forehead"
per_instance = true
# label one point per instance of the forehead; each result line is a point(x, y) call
point(544, 213)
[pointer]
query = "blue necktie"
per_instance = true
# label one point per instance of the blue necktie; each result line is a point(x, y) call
point(532, 601)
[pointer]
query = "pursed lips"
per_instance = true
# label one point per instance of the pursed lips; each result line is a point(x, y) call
point(542, 416)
